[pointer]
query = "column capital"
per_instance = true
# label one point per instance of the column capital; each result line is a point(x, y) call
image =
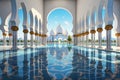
point(117, 34)
point(4, 34)
point(31, 32)
point(10, 34)
point(39, 35)
point(92, 31)
point(25, 31)
point(36, 34)
point(75, 35)
point(108, 27)
point(86, 33)
point(99, 30)
point(14, 28)
point(43, 35)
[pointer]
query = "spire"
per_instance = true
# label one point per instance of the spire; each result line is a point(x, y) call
point(59, 29)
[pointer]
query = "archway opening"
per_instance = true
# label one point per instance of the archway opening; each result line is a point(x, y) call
point(20, 31)
point(59, 25)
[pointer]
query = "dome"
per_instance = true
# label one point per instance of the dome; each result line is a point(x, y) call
point(52, 32)
point(59, 29)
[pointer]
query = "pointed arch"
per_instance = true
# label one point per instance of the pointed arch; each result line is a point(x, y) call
point(24, 15)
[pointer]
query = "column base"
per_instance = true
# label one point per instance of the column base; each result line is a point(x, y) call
point(14, 48)
point(108, 48)
point(100, 47)
point(25, 46)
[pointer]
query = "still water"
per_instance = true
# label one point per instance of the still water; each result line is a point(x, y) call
point(59, 62)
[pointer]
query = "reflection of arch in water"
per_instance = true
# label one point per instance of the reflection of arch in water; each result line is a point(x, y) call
point(65, 69)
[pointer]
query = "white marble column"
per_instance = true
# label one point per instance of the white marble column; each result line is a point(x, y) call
point(4, 39)
point(86, 40)
point(118, 42)
point(14, 46)
point(108, 37)
point(79, 40)
point(99, 37)
point(118, 39)
point(43, 41)
point(10, 39)
point(31, 39)
point(14, 30)
point(82, 40)
point(36, 41)
point(100, 40)
point(93, 38)
point(25, 40)
point(39, 40)
point(75, 40)
point(25, 31)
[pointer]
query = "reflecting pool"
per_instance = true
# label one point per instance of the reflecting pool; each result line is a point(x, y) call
point(59, 62)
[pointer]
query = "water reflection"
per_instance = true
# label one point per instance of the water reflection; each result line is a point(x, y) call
point(59, 63)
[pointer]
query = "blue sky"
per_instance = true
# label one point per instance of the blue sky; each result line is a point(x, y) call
point(60, 17)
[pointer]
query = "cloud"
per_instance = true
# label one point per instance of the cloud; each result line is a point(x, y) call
point(67, 23)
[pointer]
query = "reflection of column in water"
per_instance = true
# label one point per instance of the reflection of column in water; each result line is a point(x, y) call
point(108, 71)
point(31, 65)
point(25, 66)
point(13, 64)
point(117, 68)
point(92, 65)
point(4, 66)
point(76, 64)
point(36, 63)
point(44, 65)
point(87, 64)
point(99, 66)
point(40, 65)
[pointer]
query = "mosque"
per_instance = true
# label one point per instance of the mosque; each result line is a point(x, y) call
point(58, 35)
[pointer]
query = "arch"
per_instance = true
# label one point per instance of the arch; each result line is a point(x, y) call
point(64, 21)
point(93, 17)
point(20, 17)
point(31, 20)
point(7, 23)
point(24, 15)
point(87, 20)
point(100, 15)
point(36, 23)
point(59, 8)
point(14, 12)
point(116, 28)
point(40, 26)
